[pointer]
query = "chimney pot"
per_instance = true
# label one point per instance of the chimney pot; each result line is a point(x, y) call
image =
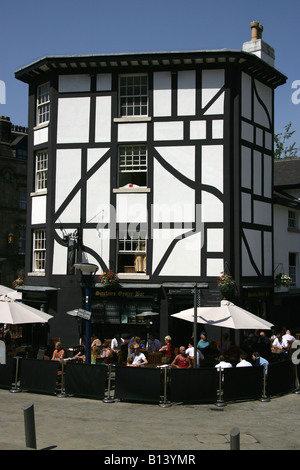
point(256, 30)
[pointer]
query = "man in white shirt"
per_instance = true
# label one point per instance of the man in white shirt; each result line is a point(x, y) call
point(223, 364)
point(279, 342)
point(288, 336)
point(190, 352)
point(139, 359)
point(243, 362)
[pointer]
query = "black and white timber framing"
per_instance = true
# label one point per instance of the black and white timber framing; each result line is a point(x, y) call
point(207, 206)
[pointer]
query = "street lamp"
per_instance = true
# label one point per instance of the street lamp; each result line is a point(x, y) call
point(87, 268)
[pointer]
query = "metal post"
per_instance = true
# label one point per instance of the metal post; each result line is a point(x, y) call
point(16, 388)
point(87, 328)
point(297, 389)
point(220, 401)
point(165, 403)
point(29, 426)
point(195, 327)
point(109, 399)
point(264, 397)
point(235, 439)
point(62, 393)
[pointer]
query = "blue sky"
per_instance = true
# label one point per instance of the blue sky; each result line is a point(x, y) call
point(32, 29)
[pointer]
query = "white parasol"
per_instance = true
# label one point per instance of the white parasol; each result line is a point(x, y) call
point(17, 313)
point(228, 315)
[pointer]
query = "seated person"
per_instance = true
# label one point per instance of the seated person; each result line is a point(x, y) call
point(243, 362)
point(182, 360)
point(95, 341)
point(203, 343)
point(223, 364)
point(135, 339)
point(59, 352)
point(154, 344)
point(279, 342)
point(115, 346)
point(129, 361)
point(139, 358)
point(190, 352)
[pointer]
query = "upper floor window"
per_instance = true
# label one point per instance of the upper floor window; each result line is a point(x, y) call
point(43, 103)
point(41, 170)
point(132, 165)
point(133, 95)
point(132, 251)
point(292, 219)
point(39, 251)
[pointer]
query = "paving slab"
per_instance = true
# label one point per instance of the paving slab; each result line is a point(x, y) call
point(73, 423)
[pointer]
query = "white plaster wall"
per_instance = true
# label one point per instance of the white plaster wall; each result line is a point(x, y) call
point(162, 94)
point(262, 213)
point(131, 208)
point(246, 96)
point(171, 130)
point(215, 239)
point(197, 130)
point(68, 174)
point(212, 166)
point(98, 195)
point(212, 82)
point(132, 132)
point(182, 159)
point(103, 119)
point(38, 211)
point(246, 168)
point(74, 83)
point(60, 255)
point(73, 120)
point(185, 258)
point(265, 95)
point(214, 266)
point(186, 93)
point(40, 136)
point(98, 241)
point(103, 82)
point(212, 208)
point(253, 238)
point(173, 201)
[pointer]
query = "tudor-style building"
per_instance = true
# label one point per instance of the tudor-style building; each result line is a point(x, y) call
point(158, 166)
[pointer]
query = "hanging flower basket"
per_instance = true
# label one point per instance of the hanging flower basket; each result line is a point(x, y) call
point(109, 278)
point(283, 280)
point(225, 283)
point(18, 282)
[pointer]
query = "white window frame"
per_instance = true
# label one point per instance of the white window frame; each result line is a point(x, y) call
point(132, 242)
point(132, 159)
point(131, 100)
point(292, 219)
point(43, 103)
point(41, 170)
point(39, 251)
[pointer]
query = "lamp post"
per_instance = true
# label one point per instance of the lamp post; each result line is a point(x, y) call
point(90, 269)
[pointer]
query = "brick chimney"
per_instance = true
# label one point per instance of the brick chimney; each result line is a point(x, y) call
point(259, 47)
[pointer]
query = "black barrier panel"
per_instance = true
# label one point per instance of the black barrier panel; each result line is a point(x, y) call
point(137, 384)
point(281, 377)
point(85, 380)
point(241, 383)
point(39, 376)
point(194, 385)
point(7, 373)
